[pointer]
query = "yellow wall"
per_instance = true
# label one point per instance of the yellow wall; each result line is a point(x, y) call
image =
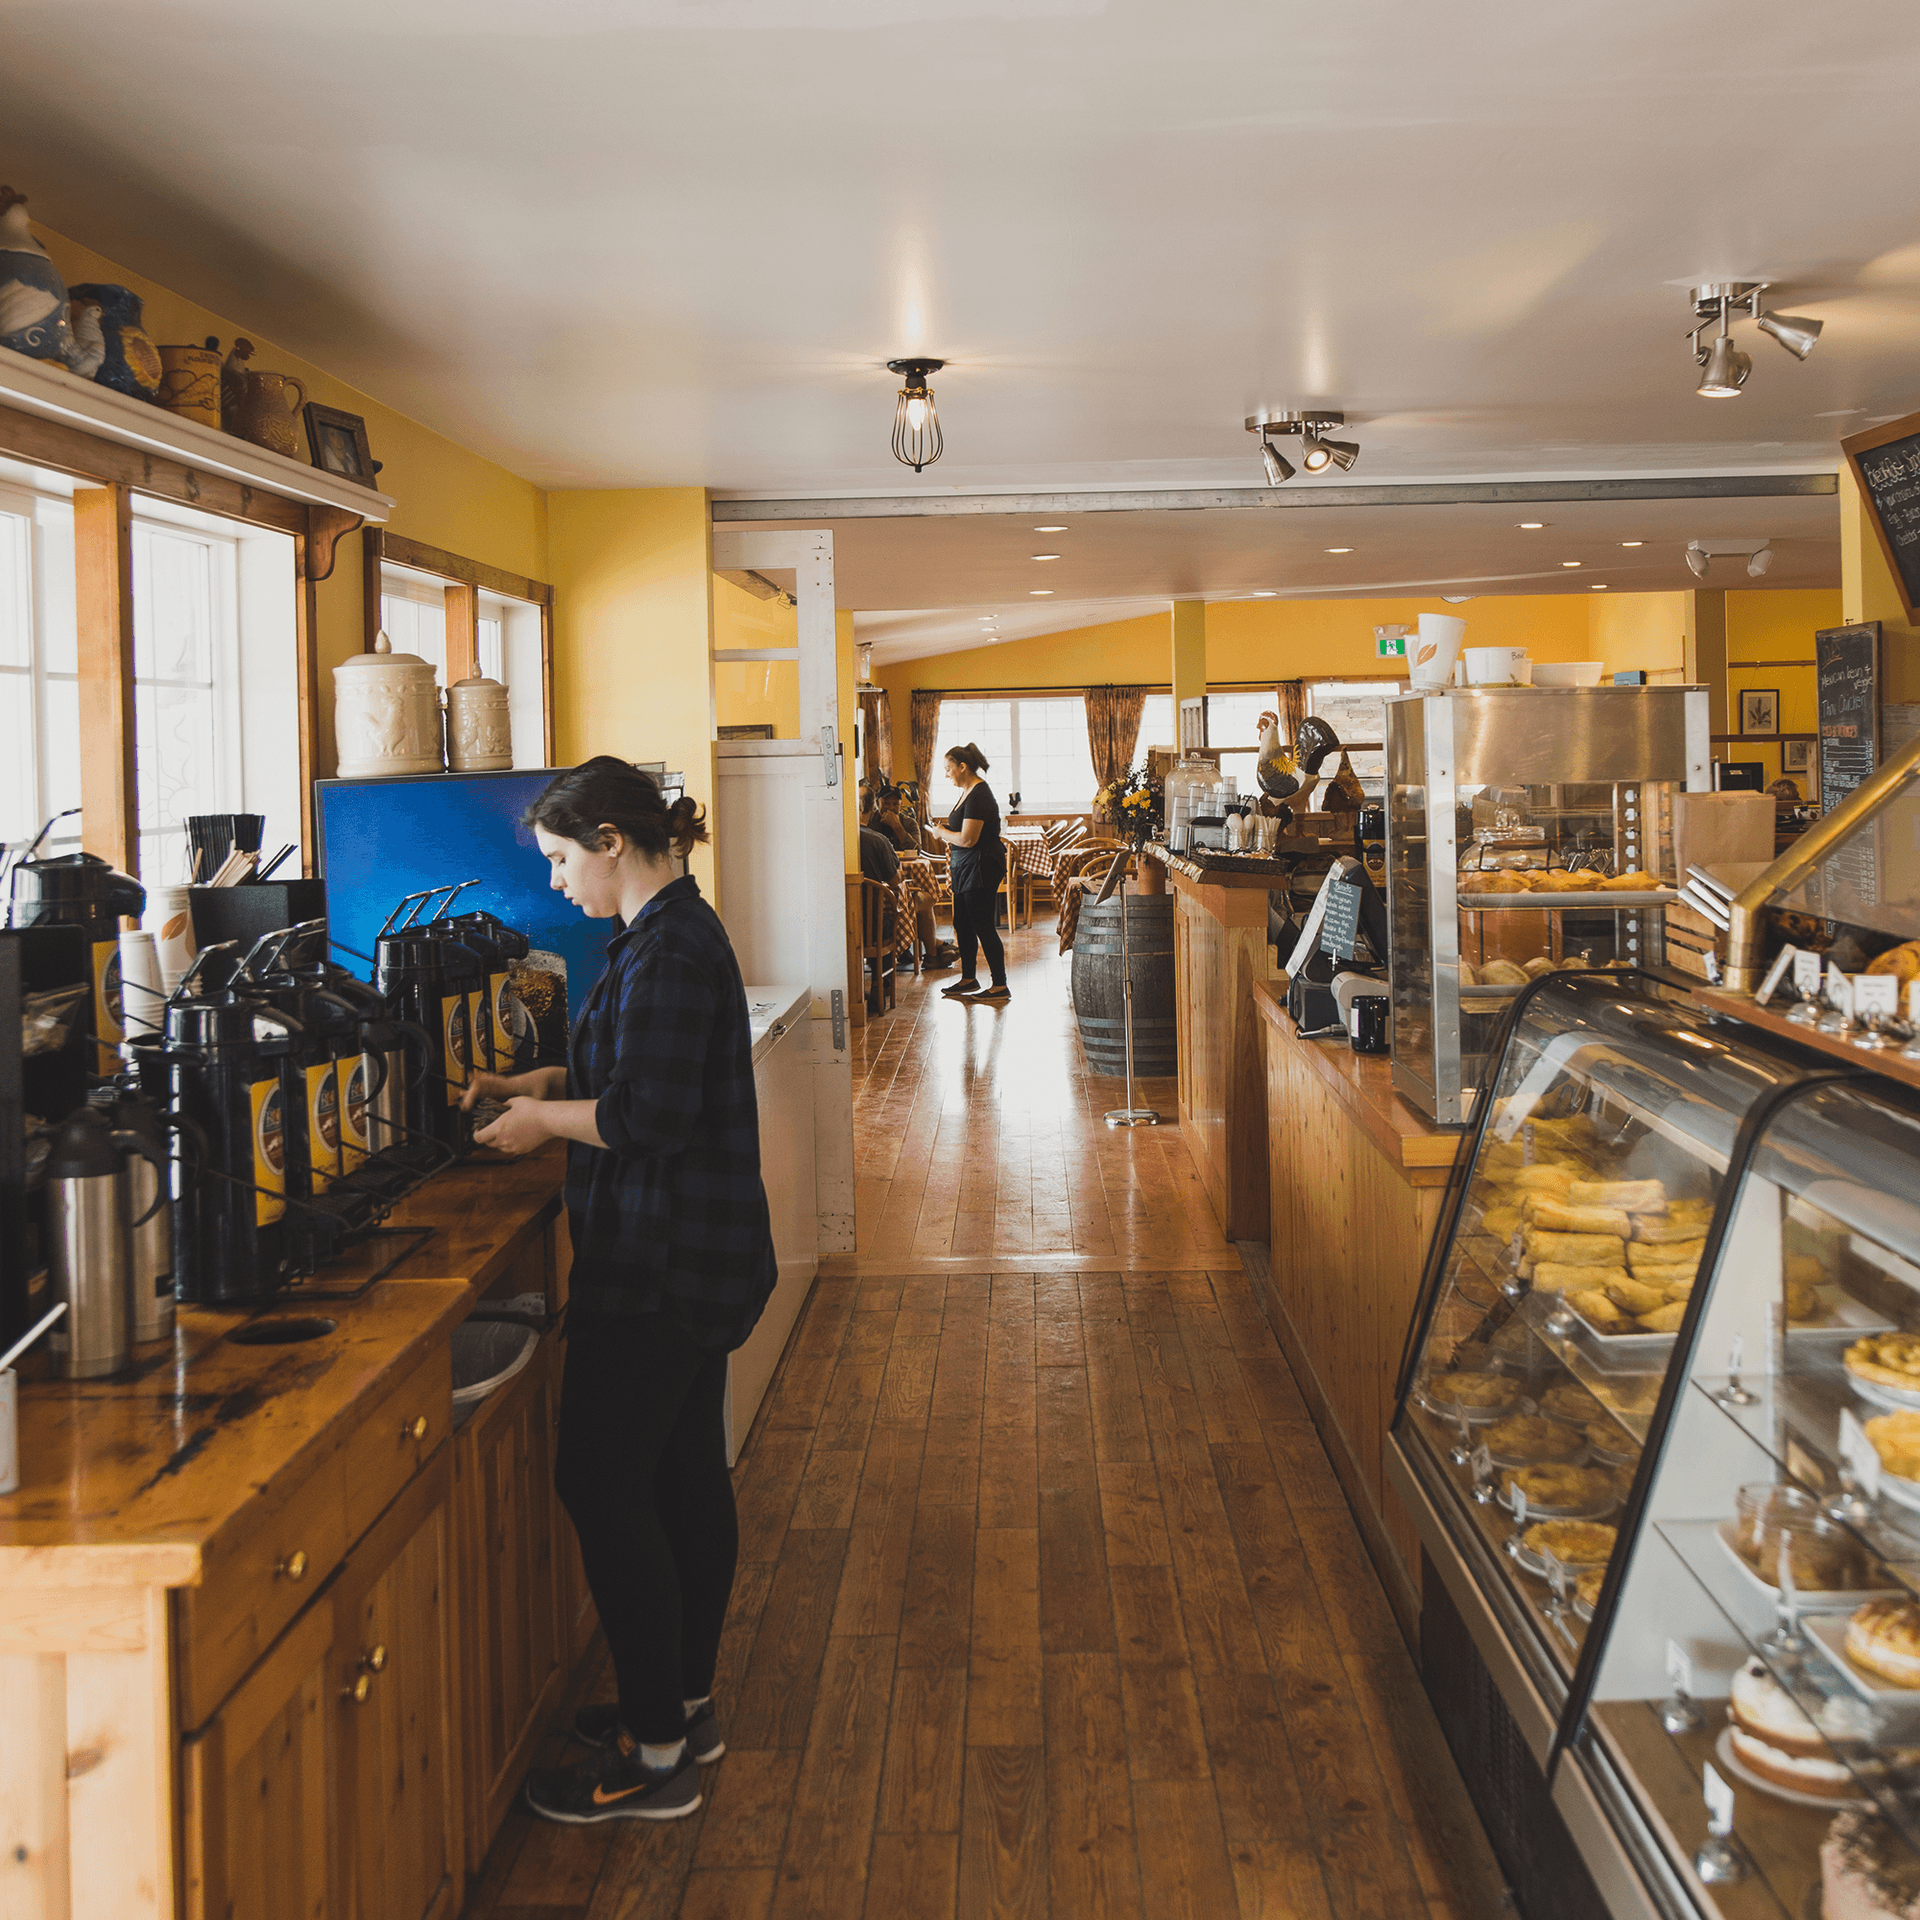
point(444, 495)
point(848, 678)
point(1638, 631)
point(632, 574)
point(755, 692)
point(1764, 630)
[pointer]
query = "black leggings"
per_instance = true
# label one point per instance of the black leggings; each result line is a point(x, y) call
point(642, 1470)
point(974, 911)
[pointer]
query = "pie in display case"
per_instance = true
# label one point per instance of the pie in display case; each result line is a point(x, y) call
point(1659, 1429)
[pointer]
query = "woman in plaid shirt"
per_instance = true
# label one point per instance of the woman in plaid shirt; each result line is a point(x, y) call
point(672, 1263)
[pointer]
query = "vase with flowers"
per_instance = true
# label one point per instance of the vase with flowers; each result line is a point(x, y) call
point(1135, 805)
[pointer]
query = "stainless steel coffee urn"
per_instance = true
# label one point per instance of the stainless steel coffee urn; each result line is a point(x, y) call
point(89, 1238)
point(150, 1251)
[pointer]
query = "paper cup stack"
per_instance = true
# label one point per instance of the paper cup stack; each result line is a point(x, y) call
point(1435, 649)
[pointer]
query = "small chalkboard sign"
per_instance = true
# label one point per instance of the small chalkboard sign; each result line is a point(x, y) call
point(1847, 675)
point(1886, 462)
point(1340, 930)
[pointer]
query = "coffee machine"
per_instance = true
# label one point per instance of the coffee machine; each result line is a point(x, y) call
point(82, 890)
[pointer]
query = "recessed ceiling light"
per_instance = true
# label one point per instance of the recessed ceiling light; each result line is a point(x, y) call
point(1599, 586)
point(1633, 543)
point(1265, 593)
point(1569, 563)
point(1041, 592)
point(1049, 529)
point(1046, 556)
point(1530, 526)
point(1339, 549)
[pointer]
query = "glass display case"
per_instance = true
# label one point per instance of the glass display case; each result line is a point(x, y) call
point(1659, 1428)
point(1528, 828)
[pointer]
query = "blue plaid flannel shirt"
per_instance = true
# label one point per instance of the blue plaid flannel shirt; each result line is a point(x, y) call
point(670, 1216)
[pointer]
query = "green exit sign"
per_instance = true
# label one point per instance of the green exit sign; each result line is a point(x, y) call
point(1390, 646)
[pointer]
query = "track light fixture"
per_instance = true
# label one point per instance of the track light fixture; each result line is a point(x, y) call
point(1696, 560)
point(1317, 452)
point(1724, 368)
point(917, 440)
point(1701, 554)
point(1758, 563)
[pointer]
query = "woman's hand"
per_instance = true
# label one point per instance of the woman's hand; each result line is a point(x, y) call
point(542, 1083)
point(520, 1129)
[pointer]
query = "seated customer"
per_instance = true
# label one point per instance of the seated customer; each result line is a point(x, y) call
point(879, 861)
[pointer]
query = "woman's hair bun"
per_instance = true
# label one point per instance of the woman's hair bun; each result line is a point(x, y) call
point(686, 824)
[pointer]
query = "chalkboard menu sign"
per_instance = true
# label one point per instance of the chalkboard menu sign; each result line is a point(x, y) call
point(1886, 462)
point(1340, 930)
point(1847, 673)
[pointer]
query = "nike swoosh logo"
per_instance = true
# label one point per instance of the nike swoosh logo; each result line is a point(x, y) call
point(602, 1798)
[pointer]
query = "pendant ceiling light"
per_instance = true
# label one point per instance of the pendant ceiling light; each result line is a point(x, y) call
point(917, 442)
point(1317, 452)
point(1724, 368)
point(863, 653)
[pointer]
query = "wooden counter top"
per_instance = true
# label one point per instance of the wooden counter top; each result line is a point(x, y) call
point(1363, 1084)
point(128, 1480)
point(1245, 870)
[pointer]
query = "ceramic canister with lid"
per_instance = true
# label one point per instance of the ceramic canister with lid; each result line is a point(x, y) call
point(386, 714)
point(479, 730)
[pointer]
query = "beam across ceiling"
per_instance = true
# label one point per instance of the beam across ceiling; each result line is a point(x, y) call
point(1463, 493)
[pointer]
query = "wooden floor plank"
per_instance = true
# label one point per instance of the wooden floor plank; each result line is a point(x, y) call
point(1003, 1834)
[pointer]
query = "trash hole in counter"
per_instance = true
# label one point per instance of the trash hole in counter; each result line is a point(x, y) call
point(286, 1332)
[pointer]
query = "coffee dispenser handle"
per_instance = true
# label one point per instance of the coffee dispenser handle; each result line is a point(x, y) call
point(130, 1142)
point(429, 1048)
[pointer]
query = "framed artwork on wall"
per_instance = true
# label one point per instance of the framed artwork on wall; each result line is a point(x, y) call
point(1760, 710)
point(1796, 756)
point(339, 443)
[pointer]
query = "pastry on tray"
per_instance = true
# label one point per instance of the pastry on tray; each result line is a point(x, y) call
point(1569, 1489)
point(1555, 1216)
point(1502, 973)
point(1896, 1439)
point(1600, 1313)
point(1604, 1437)
point(1586, 1589)
point(1634, 1296)
point(1570, 1401)
point(1868, 1870)
point(1630, 1196)
point(1574, 1543)
point(1531, 1437)
point(1902, 962)
point(1551, 1177)
point(1674, 1226)
point(1502, 1221)
point(1665, 1319)
point(1552, 1276)
point(1573, 1249)
point(1501, 880)
point(1664, 1253)
point(1774, 1738)
point(1472, 1390)
point(1887, 1359)
point(1638, 881)
point(1883, 1638)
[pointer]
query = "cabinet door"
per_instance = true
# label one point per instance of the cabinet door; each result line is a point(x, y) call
point(399, 1819)
point(255, 1789)
point(512, 1664)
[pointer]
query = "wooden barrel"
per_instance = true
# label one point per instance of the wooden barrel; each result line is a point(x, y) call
point(1097, 986)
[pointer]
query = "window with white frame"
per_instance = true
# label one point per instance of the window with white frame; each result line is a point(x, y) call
point(413, 614)
point(1233, 730)
point(1159, 726)
point(39, 671)
point(1357, 711)
point(1036, 746)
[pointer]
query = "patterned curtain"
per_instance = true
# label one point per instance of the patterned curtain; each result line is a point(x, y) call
point(924, 718)
point(876, 716)
point(1113, 729)
point(1293, 710)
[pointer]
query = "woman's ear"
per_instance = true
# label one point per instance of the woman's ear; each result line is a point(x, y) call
point(613, 843)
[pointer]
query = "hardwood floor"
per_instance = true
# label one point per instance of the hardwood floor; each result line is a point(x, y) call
point(1048, 1603)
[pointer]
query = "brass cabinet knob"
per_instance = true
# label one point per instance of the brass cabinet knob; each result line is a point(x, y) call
point(415, 1429)
point(358, 1692)
point(294, 1567)
point(376, 1661)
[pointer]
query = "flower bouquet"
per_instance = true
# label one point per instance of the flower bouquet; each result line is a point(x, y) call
point(1136, 804)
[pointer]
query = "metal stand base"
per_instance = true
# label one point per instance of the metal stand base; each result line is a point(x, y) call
point(1133, 1117)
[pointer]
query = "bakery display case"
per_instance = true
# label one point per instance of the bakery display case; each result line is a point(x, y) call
point(1528, 829)
point(1659, 1429)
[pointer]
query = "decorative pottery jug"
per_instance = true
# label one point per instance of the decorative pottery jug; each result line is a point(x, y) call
point(479, 733)
point(131, 362)
point(190, 382)
point(33, 300)
point(267, 412)
point(386, 714)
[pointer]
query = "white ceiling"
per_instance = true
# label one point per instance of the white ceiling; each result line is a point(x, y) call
point(638, 242)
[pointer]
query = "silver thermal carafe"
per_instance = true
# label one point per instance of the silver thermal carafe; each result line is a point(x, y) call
point(90, 1224)
point(150, 1243)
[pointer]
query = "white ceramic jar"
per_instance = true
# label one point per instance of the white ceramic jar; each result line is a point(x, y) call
point(386, 714)
point(479, 725)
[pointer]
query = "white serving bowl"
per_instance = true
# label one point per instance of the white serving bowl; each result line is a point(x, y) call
point(1568, 673)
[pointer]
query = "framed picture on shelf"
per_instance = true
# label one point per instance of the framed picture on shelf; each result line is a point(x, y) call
point(1796, 756)
point(339, 443)
point(1760, 710)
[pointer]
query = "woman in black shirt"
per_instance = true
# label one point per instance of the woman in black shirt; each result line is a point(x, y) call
point(979, 860)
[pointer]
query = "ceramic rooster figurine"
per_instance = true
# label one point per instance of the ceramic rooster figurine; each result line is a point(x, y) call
point(132, 362)
point(1311, 745)
point(1274, 768)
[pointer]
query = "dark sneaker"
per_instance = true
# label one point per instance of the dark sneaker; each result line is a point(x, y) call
point(618, 1786)
point(1001, 993)
point(599, 1725)
point(960, 990)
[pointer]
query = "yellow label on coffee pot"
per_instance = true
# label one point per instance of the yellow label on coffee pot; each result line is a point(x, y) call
point(453, 1030)
point(269, 1151)
point(107, 1008)
point(356, 1140)
point(323, 1123)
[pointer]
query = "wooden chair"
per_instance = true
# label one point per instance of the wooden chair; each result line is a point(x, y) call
point(879, 941)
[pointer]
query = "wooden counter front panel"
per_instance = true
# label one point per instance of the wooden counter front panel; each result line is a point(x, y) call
point(1220, 949)
point(1349, 1235)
